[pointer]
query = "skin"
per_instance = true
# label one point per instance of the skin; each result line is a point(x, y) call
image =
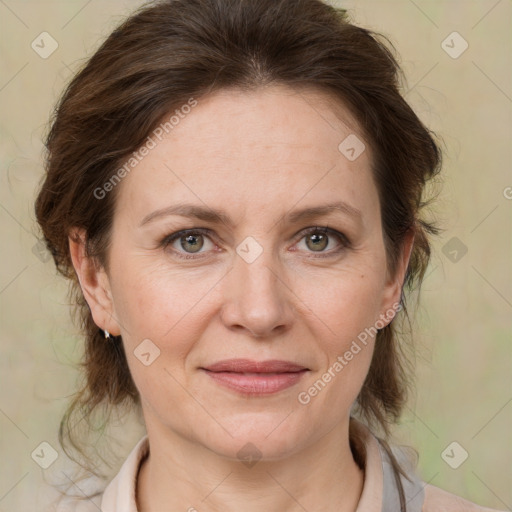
point(258, 156)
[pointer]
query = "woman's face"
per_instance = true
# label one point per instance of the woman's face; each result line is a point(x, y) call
point(256, 282)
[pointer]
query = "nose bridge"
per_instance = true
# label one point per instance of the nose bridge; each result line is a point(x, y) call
point(256, 296)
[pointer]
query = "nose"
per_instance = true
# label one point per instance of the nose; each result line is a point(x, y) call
point(257, 298)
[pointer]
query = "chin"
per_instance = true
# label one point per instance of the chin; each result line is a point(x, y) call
point(265, 437)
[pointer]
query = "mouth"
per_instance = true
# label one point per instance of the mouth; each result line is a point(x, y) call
point(255, 378)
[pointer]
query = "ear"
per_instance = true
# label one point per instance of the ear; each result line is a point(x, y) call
point(94, 282)
point(394, 283)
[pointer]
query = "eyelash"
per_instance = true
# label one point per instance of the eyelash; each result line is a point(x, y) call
point(344, 241)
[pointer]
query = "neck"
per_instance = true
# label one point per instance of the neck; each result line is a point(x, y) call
point(182, 475)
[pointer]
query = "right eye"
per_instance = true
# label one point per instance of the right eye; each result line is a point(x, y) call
point(186, 239)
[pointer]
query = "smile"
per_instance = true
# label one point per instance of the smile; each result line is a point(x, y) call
point(255, 384)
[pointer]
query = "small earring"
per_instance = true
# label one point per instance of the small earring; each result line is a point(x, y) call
point(107, 334)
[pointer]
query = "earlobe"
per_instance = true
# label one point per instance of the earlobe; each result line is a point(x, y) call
point(94, 283)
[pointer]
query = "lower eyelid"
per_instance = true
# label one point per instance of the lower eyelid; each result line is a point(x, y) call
point(171, 239)
point(342, 239)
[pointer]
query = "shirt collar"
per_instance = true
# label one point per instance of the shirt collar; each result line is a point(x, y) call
point(379, 489)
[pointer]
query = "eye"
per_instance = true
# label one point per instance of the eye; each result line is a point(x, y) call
point(318, 238)
point(191, 241)
point(187, 244)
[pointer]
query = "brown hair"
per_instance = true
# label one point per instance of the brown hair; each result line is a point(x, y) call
point(172, 50)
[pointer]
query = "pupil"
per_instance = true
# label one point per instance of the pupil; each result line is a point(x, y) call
point(192, 240)
point(317, 240)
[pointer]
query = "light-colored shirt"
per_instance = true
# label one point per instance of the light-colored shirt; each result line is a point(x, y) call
point(380, 493)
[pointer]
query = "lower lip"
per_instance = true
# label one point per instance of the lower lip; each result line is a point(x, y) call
point(256, 383)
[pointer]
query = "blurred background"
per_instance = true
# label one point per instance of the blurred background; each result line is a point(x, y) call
point(456, 55)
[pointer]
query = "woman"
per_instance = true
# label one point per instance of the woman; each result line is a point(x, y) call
point(195, 166)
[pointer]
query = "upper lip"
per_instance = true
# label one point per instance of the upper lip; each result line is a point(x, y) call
point(249, 366)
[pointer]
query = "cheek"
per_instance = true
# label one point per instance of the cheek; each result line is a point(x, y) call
point(172, 312)
point(345, 302)
point(344, 310)
point(155, 299)
point(346, 337)
point(159, 313)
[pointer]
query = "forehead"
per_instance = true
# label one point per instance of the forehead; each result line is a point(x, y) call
point(304, 117)
point(269, 148)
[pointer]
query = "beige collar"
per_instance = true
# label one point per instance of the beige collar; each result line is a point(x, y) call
point(379, 494)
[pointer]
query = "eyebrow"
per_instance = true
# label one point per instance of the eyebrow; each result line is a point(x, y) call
point(220, 217)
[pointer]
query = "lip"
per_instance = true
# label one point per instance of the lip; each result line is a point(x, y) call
point(255, 378)
point(250, 366)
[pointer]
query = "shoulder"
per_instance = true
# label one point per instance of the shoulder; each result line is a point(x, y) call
point(438, 500)
point(85, 495)
point(77, 504)
point(420, 495)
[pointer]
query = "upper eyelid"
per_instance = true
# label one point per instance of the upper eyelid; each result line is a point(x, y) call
point(171, 238)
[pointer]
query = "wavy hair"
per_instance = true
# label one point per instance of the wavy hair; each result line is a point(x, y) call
point(171, 50)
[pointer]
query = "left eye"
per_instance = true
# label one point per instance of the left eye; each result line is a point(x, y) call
point(191, 241)
point(317, 239)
